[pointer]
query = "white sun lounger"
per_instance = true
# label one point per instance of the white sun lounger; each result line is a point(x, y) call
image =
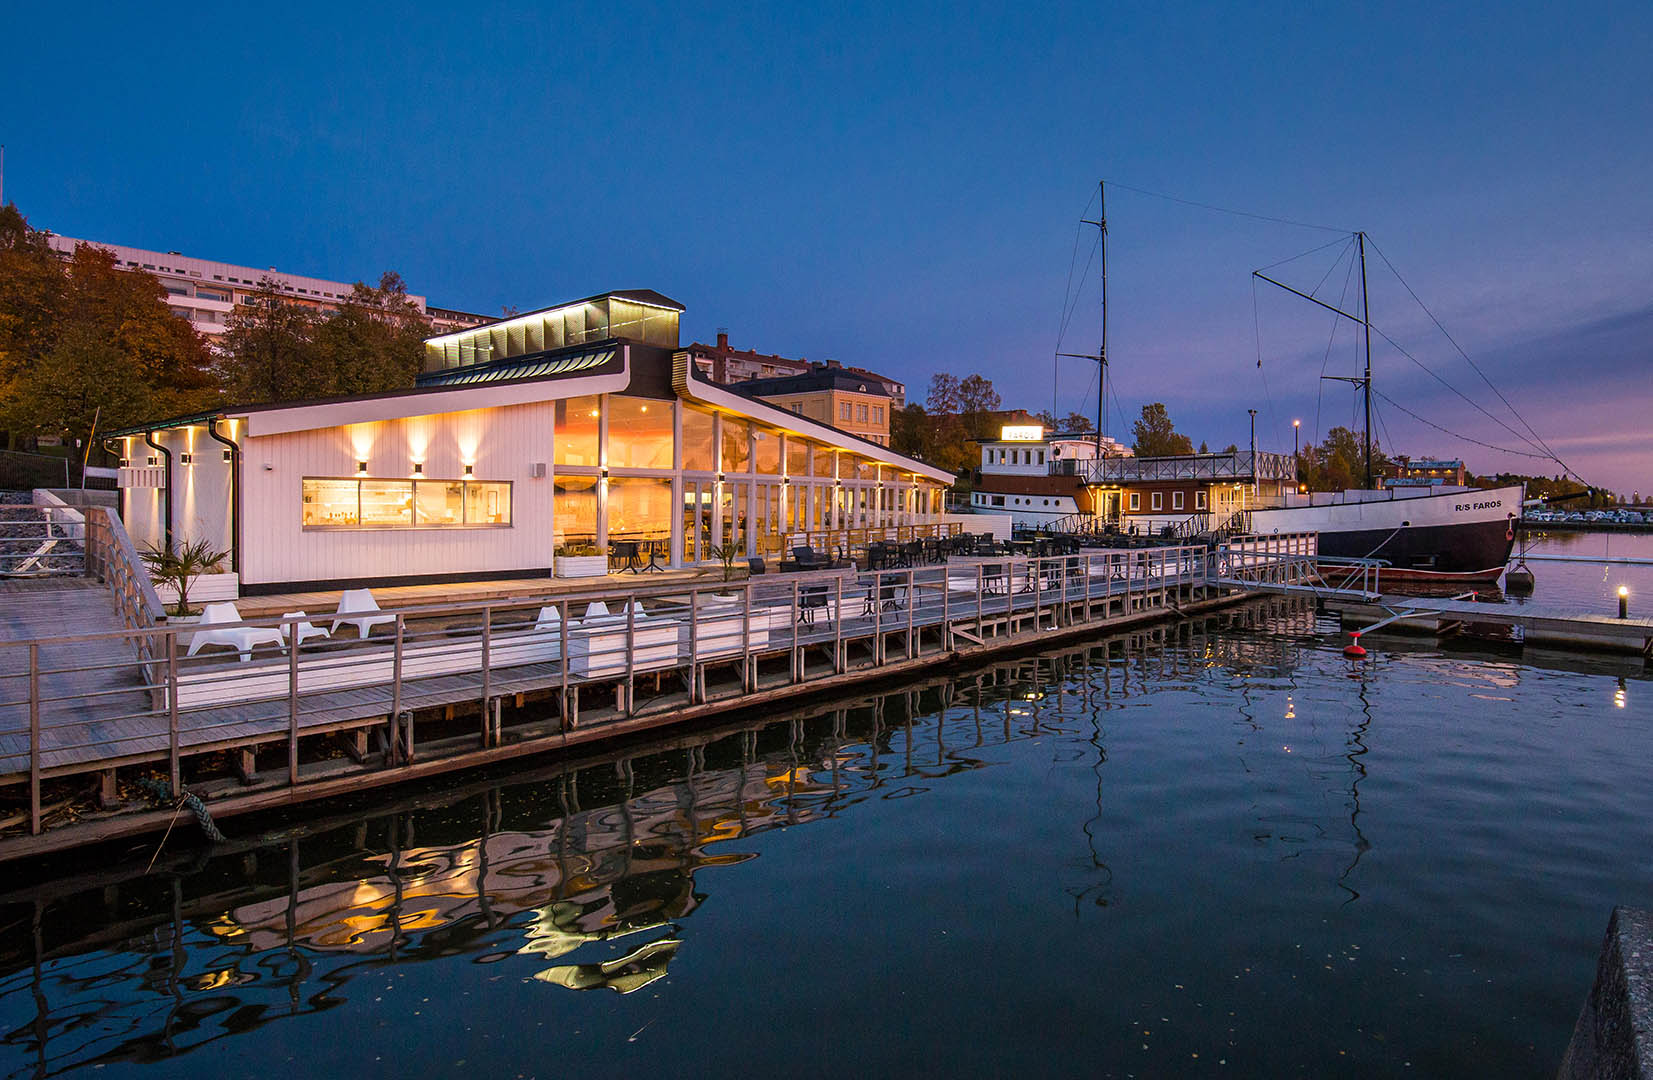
point(242, 639)
point(358, 608)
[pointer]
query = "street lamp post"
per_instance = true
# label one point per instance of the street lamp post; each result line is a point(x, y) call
point(1296, 474)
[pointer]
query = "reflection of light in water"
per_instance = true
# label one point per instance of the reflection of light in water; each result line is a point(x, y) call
point(1618, 695)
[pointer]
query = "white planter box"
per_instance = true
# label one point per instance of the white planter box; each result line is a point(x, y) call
point(266, 676)
point(717, 630)
point(203, 589)
point(597, 647)
point(578, 566)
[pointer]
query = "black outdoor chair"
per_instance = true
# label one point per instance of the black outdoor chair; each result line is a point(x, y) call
point(811, 598)
point(912, 553)
point(755, 567)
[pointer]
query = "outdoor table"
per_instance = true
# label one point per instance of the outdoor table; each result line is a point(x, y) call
point(628, 551)
point(655, 550)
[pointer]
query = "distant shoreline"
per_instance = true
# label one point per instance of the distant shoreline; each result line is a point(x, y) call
point(1584, 526)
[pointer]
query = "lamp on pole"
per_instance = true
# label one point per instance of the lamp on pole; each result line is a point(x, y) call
point(1296, 426)
point(1253, 413)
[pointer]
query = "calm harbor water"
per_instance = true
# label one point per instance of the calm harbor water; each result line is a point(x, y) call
point(1210, 849)
point(1588, 586)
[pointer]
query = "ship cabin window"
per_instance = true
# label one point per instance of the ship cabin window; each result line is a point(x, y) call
point(998, 500)
point(1136, 500)
point(1176, 500)
point(1199, 500)
point(1159, 500)
point(1041, 457)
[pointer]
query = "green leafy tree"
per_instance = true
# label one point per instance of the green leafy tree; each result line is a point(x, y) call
point(1154, 435)
point(268, 353)
point(1077, 423)
point(1339, 462)
point(373, 342)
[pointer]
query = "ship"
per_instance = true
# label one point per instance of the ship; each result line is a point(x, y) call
point(1086, 483)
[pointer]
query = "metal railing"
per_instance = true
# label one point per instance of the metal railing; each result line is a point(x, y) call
point(1238, 465)
point(36, 541)
point(158, 693)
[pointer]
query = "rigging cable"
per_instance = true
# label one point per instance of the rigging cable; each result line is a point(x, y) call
point(1227, 210)
point(1067, 311)
point(1331, 339)
point(1476, 367)
point(1460, 435)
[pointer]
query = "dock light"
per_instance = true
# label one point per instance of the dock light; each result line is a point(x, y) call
point(361, 466)
point(1624, 601)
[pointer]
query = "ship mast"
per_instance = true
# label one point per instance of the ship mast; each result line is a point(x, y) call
point(1101, 354)
point(1364, 320)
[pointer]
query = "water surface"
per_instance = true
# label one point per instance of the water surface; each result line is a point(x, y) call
point(1213, 849)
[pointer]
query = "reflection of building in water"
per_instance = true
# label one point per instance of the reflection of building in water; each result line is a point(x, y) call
point(127, 966)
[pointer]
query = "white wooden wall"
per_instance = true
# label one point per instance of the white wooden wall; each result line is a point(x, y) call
point(502, 444)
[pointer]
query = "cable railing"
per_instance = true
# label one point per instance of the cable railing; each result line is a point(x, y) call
point(404, 685)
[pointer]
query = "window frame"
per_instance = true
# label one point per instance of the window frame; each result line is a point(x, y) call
point(1157, 500)
point(414, 523)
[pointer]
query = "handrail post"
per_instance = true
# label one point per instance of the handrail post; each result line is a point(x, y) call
point(34, 738)
point(748, 665)
point(631, 654)
point(396, 699)
point(292, 707)
point(173, 767)
point(487, 675)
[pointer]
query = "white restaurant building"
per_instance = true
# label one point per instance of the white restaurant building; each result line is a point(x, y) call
point(581, 424)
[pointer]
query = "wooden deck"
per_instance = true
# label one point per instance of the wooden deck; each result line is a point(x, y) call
point(1567, 626)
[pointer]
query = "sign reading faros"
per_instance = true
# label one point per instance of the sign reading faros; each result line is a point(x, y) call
point(1021, 433)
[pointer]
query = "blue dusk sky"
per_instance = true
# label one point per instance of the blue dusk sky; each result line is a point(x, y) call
point(898, 186)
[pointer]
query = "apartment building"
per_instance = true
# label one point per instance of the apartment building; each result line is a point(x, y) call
point(827, 393)
point(205, 292)
point(722, 364)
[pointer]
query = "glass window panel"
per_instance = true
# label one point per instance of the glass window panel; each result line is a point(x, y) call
point(438, 502)
point(823, 462)
point(577, 431)
point(487, 503)
point(737, 445)
point(797, 456)
point(387, 502)
point(639, 508)
point(574, 510)
point(699, 441)
point(639, 433)
point(330, 502)
point(766, 456)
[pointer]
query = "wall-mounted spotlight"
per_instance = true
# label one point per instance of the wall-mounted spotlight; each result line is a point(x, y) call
point(361, 466)
point(418, 468)
point(470, 470)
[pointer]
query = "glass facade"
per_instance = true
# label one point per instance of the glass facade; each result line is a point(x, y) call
point(639, 508)
point(574, 510)
point(577, 430)
point(699, 441)
point(639, 433)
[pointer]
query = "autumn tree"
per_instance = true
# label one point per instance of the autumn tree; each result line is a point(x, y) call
point(1155, 436)
point(81, 337)
point(373, 342)
point(267, 353)
point(1339, 462)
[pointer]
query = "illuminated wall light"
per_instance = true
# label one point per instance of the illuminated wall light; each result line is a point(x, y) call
point(186, 459)
point(361, 465)
point(470, 470)
point(418, 468)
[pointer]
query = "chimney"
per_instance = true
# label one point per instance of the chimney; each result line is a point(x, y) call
point(723, 337)
point(831, 363)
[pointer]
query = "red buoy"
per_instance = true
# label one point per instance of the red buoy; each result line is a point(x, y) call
point(1354, 650)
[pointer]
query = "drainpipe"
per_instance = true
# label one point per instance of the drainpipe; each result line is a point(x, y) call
point(120, 492)
point(166, 491)
point(235, 493)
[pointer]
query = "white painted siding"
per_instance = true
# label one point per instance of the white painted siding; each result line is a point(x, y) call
point(502, 443)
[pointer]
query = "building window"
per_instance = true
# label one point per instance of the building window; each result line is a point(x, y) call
point(1176, 500)
point(699, 441)
point(861, 413)
point(798, 407)
point(1199, 500)
point(844, 410)
point(639, 433)
point(1041, 457)
point(576, 430)
point(1136, 500)
point(574, 510)
point(998, 500)
point(1159, 500)
point(878, 414)
point(426, 504)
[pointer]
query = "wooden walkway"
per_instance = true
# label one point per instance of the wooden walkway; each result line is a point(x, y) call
point(1569, 627)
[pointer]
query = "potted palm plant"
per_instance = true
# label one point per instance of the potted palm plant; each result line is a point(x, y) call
point(178, 569)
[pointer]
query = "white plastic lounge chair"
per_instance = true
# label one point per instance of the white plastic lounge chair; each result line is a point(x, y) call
point(242, 639)
point(305, 630)
point(596, 610)
point(358, 608)
point(550, 618)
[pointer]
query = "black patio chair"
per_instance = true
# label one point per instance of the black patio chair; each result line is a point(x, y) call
point(811, 598)
point(755, 567)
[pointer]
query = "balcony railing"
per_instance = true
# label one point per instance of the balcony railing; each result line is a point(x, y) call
point(1240, 465)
